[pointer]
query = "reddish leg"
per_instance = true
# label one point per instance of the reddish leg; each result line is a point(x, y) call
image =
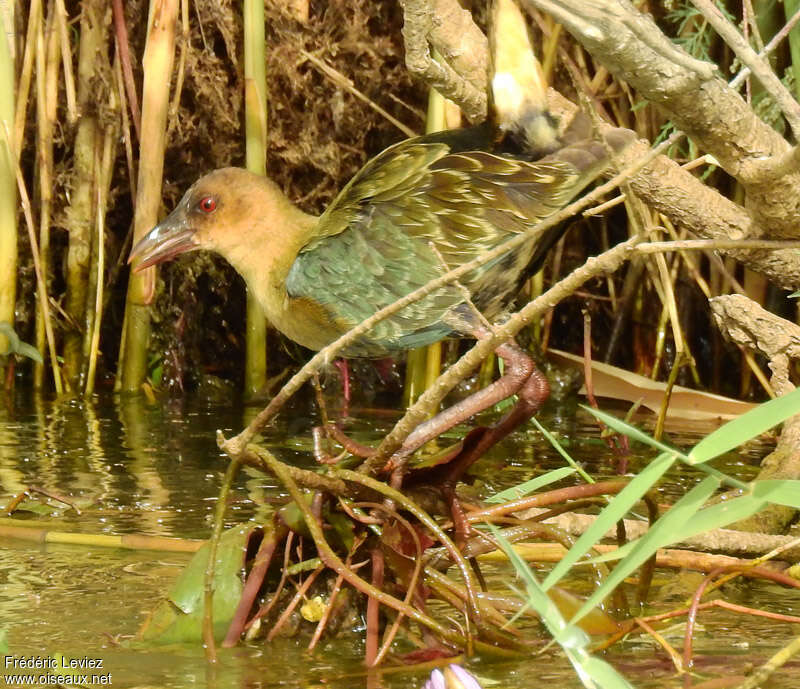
point(521, 377)
point(344, 371)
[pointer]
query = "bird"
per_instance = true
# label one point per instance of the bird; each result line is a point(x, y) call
point(421, 207)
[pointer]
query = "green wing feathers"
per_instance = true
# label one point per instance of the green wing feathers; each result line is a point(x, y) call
point(418, 210)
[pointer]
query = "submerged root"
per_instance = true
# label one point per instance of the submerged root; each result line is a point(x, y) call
point(355, 548)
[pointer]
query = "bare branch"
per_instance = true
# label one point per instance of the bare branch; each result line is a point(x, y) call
point(747, 324)
point(760, 69)
point(631, 46)
point(462, 73)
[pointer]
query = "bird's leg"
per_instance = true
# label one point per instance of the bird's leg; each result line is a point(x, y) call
point(521, 377)
point(344, 372)
point(332, 430)
point(530, 397)
point(352, 446)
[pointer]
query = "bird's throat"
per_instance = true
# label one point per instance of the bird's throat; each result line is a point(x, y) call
point(271, 233)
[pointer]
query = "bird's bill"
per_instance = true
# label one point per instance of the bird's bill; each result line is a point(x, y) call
point(162, 243)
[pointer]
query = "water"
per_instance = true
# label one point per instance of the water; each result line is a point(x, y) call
point(134, 468)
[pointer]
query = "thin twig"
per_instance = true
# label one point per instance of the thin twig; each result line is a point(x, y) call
point(412, 507)
point(341, 80)
point(121, 34)
point(37, 266)
point(332, 560)
point(768, 49)
point(66, 59)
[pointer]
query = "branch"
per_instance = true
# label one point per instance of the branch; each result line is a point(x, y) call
point(760, 69)
point(689, 204)
point(702, 104)
point(462, 73)
point(745, 323)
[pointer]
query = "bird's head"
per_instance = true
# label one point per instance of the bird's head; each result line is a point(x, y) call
point(217, 213)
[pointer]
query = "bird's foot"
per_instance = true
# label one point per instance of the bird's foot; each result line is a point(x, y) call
point(333, 432)
point(521, 377)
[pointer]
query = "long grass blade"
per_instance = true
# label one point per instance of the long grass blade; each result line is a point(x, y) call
point(610, 515)
point(631, 431)
point(746, 427)
point(667, 529)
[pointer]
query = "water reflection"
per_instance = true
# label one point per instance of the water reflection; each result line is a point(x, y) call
point(144, 468)
point(134, 467)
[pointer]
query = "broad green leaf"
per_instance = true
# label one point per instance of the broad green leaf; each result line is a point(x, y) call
point(180, 617)
point(600, 674)
point(745, 427)
point(722, 514)
point(631, 431)
point(11, 336)
point(537, 597)
point(714, 517)
point(29, 351)
point(610, 515)
point(593, 672)
point(17, 346)
point(779, 491)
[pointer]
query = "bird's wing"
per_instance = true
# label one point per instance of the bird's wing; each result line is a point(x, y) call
point(418, 210)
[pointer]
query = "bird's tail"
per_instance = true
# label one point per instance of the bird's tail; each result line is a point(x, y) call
point(519, 89)
point(519, 104)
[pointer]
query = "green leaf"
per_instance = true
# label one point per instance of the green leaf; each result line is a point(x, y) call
point(593, 672)
point(722, 514)
point(779, 491)
point(670, 528)
point(538, 598)
point(744, 427)
point(603, 675)
point(560, 449)
point(304, 566)
point(610, 515)
point(180, 617)
point(631, 431)
point(714, 517)
point(17, 346)
point(29, 351)
point(534, 484)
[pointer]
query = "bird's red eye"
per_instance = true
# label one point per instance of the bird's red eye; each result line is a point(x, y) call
point(208, 204)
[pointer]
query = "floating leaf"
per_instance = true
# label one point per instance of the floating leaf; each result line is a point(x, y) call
point(180, 618)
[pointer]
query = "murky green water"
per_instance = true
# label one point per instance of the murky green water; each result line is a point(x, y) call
point(156, 470)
